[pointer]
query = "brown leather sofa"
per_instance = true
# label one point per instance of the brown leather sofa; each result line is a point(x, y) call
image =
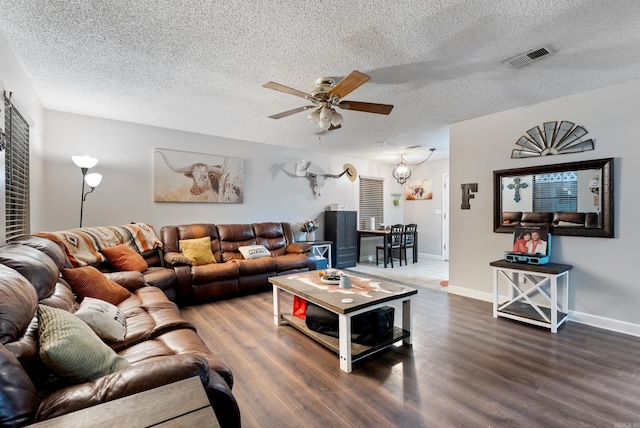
point(232, 275)
point(160, 346)
point(563, 219)
point(83, 247)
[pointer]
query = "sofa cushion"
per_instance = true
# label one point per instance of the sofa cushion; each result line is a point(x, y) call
point(256, 266)
point(122, 257)
point(198, 250)
point(254, 251)
point(104, 318)
point(50, 248)
point(291, 262)
point(18, 396)
point(148, 314)
point(71, 350)
point(131, 280)
point(39, 269)
point(233, 236)
point(88, 281)
point(18, 303)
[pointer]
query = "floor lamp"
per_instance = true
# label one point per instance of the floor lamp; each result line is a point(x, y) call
point(92, 180)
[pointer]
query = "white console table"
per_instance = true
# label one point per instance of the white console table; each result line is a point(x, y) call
point(322, 249)
point(537, 300)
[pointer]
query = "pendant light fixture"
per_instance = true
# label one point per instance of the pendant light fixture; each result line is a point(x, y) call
point(402, 172)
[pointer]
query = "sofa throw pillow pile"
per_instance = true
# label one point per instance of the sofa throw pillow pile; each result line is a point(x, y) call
point(105, 319)
point(254, 251)
point(198, 250)
point(71, 350)
point(122, 257)
point(88, 281)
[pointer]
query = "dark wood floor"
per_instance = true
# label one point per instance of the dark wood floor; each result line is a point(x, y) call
point(464, 369)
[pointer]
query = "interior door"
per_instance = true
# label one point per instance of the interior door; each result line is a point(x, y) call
point(445, 217)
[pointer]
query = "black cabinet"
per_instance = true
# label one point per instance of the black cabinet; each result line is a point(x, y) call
point(341, 228)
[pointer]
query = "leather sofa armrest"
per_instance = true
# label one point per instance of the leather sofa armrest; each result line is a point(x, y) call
point(151, 374)
point(298, 247)
point(176, 259)
point(223, 402)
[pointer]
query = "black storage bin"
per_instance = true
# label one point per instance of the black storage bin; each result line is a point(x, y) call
point(369, 328)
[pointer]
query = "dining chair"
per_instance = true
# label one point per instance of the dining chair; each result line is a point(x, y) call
point(408, 241)
point(394, 242)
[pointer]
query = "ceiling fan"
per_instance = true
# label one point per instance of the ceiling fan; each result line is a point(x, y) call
point(327, 95)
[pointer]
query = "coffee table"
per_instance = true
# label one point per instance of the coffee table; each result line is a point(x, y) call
point(367, 294)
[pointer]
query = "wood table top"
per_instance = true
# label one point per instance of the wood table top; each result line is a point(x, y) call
point(364, 291)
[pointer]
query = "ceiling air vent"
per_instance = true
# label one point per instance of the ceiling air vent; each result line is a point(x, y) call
point(527, 57)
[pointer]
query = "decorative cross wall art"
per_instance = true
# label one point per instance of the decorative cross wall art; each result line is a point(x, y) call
point(552, 139)
point(517, 186)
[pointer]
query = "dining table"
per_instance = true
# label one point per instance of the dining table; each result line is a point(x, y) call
point(386, 237)
point(384, 233)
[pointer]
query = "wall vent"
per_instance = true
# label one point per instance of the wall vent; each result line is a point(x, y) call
point(528, 57)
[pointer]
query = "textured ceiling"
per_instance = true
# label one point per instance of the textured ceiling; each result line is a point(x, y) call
point(199, 65)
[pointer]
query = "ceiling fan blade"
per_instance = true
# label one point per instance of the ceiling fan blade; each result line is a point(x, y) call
point(287, 90)
point(349, 84)
point(366, 107)
point(290, 112)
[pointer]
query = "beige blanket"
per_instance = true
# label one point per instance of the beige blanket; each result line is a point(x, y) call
point(83, 246)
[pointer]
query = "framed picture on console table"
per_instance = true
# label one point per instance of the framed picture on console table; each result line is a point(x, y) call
point(197, 177)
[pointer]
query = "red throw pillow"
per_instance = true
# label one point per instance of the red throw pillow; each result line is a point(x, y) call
point(88, 281)
point(122, 257)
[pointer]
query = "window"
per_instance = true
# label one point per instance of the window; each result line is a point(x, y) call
point(371, 201)
point(555, 192)
point(16, 174)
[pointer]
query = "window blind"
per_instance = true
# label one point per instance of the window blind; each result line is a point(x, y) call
point(371, 201)
point(16, 174)
point(555, 192)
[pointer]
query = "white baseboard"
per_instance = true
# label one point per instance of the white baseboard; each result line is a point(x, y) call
point(605, 323)
point(372, 257)
point(574, 316)
point(473, 294)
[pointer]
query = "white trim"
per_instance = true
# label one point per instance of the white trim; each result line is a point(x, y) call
point(596, 321)
point(605, 323)
point(473, 294)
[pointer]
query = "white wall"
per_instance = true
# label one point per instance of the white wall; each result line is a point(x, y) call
point(427, 214)
point(604, 289)
point(125, 151)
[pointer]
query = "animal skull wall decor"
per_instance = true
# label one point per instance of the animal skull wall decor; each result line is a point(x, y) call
point(317, 180)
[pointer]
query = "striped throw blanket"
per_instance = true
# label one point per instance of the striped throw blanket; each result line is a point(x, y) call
point(83, 246)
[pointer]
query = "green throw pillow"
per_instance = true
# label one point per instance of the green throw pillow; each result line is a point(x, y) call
point(71, 350)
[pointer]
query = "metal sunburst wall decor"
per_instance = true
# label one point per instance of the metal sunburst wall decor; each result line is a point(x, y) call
point(552, 139)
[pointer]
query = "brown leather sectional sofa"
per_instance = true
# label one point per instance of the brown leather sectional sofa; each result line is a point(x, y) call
point(563, 219)
point(159, 346)
point(232, 275)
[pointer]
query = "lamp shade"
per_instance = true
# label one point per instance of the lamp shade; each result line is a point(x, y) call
point(336, 119)
point(93, 179)
point(84, 161)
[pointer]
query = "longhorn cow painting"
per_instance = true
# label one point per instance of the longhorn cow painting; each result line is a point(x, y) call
point(418, 190)
point(197, 177)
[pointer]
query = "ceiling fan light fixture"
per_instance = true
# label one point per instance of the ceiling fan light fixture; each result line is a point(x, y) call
point(336, 118)
point(325, 118)
point(314, 116)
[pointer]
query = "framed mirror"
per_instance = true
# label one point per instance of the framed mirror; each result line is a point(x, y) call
point(574, 198)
